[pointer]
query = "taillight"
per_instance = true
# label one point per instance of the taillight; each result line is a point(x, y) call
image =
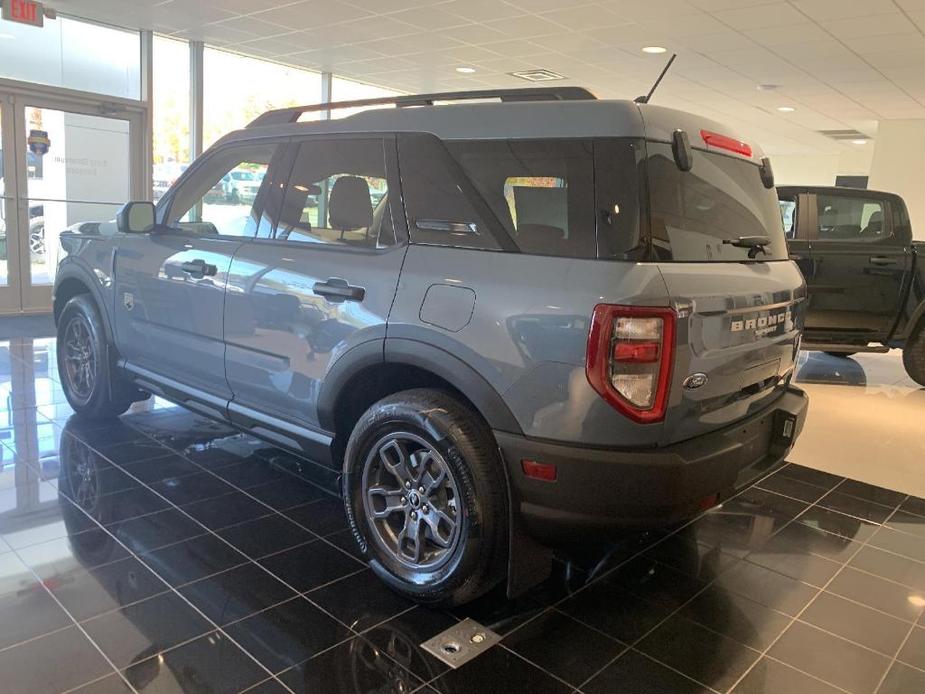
point(630, 352)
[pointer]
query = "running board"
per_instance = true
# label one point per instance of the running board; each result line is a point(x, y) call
point(824, 347)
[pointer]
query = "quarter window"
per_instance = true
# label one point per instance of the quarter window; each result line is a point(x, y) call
point(226, 194)
point(843, 218)
point(337, 194)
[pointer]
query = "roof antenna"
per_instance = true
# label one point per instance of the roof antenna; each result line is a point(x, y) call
point(645, 99)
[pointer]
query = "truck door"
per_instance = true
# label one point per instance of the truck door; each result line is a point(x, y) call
point(170, 282)
point(858, 266)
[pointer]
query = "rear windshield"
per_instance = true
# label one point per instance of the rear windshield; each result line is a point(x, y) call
point(720, 198)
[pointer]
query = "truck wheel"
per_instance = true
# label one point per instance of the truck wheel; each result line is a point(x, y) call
point(90, 385)
point(426, 497)
point(914, 356)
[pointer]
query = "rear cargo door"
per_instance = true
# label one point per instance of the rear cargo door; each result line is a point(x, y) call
point(739, 317)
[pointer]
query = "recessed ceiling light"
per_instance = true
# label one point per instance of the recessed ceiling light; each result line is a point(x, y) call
point(786, 109)
point(917, 600)
point(654, 49)
point(859, 142)
point(466, 70)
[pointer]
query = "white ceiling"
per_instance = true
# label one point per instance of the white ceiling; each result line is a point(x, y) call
point(842, 64)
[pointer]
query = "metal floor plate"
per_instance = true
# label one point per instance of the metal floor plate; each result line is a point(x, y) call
point(461, 643)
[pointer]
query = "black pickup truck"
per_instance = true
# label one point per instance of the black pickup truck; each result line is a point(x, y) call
point(865, 274)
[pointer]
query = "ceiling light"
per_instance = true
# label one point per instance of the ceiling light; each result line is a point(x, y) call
point(859, 142)
point(786, 109)
point(465, 70)
point(917, 600)
point(654, 49)
point(767, 87)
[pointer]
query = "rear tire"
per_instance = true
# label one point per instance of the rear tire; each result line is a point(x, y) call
point(914, 356)
point(843, 355)
point(426, 497)
point(87, 375)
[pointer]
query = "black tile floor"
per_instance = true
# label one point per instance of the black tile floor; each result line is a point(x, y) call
point(167, 553)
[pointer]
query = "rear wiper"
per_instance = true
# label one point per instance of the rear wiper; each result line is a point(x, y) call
point(754, 244)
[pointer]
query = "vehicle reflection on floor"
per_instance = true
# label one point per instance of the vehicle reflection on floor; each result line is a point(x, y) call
point(164, 552)
point(863, 408)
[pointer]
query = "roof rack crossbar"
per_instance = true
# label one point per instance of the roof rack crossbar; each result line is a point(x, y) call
point(293, 113)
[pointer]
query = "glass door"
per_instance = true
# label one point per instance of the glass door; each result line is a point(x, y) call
point(76, 164)
point(9, 275)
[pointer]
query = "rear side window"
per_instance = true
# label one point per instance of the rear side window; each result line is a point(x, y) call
point(843, 218)
point(542, 192)
point(720, 199)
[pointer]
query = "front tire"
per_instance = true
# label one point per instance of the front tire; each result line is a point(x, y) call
point(84, 367)
point(426, 497)
point(914, 356)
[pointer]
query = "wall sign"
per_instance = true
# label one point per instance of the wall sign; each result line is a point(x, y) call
point(24, 11)
point(38, 141)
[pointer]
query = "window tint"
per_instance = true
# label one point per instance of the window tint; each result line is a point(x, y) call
point(441, 205)
point(337, 195)
point(720, 199)
point(845, 218)
point(225, 194)
point(541, 192)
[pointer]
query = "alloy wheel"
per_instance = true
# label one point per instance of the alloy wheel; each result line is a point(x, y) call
point(79, 357)
point(411, 501)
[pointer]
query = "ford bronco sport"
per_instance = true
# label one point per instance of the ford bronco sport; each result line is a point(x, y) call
point(533, 318)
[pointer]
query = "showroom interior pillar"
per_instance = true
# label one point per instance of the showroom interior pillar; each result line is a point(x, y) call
point(327, 90)
point(897, 166)
point(147, 96)
point(196, 97)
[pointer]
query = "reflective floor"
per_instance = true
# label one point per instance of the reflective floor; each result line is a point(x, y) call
point(165, 553)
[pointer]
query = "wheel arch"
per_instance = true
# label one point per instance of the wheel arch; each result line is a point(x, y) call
point(73, 280)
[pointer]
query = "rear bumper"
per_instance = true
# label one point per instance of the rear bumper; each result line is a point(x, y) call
point(598, 491)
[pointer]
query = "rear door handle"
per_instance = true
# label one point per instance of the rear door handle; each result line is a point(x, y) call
point(336, 290)
point(882, 260)
point(199, 268)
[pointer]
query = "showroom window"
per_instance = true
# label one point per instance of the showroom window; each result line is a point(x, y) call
point(338, 195)
point(73, 54)
point(349, 90)
point(238, 89)
point(172, 112)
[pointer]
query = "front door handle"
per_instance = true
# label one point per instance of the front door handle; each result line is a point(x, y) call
point(882, 260)
point(199, 268)
point(336, 290)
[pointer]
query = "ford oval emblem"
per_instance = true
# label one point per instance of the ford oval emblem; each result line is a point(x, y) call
point(695, 381)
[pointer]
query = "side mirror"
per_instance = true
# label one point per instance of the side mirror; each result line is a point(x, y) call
point(135, 218)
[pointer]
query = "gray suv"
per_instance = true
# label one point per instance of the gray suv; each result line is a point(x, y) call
point(519, 319)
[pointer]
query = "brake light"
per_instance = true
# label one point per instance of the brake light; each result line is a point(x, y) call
point(725, 142)
point(629, 359)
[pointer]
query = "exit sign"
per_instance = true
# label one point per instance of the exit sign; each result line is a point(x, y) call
point(24, 11)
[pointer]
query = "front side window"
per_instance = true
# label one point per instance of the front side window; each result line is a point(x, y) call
point(225, 195)
point(843, 218)
point(338, 194)
point(788, 209)
point(541, 192)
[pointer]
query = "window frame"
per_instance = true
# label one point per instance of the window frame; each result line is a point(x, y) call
point(291, 149)
point(277, 162)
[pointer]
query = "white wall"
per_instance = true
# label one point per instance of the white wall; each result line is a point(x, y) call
point(821, 169)
point(897, 166)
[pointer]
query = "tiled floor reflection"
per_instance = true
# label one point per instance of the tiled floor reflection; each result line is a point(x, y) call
point(166, 553)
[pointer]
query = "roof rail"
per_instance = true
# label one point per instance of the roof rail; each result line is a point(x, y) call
point(293, 113)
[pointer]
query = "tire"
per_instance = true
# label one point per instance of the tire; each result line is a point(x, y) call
point(437, 434)
point(914, 356)
point(37, 236)
point(843, 355)
point(84, 367)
